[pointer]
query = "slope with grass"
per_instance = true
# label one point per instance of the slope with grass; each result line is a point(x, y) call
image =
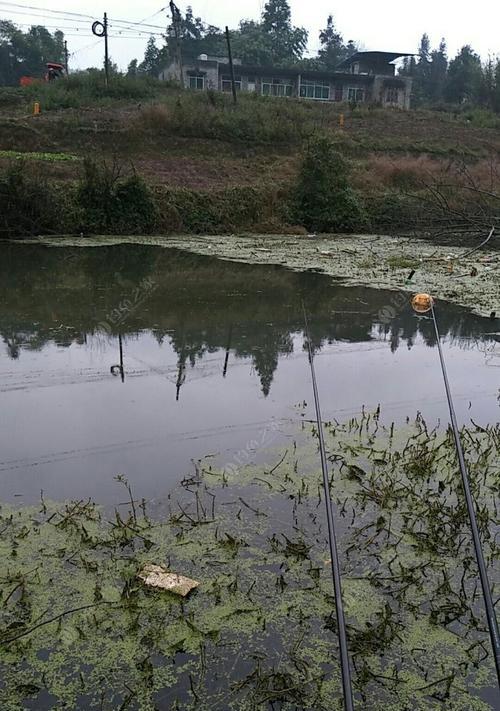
point(199, 152)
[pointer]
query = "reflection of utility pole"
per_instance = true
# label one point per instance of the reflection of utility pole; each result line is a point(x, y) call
point(228, 347)
point(181, 377)
point(115, 369)
point(177, 22)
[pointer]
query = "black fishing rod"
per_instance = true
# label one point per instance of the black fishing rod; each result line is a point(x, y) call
point(423, 303)
point(334, 555)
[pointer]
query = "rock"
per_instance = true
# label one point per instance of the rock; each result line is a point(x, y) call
point(155, 576)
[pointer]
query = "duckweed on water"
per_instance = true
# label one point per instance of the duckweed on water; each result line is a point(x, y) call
point(80, 631)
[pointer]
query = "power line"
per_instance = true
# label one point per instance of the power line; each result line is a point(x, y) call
point(72, 15)
point(33, 14)
point(44, 9)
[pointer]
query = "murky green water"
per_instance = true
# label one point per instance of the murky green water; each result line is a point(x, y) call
point(134, 360)
point(213, 355)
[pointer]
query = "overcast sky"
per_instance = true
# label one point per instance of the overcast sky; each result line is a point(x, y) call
point(383, 25)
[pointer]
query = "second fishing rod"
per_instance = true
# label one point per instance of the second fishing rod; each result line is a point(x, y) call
point(424, 303)
point(332, 537)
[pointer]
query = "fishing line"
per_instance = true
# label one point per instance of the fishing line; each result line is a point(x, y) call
point(332, 539)
point(423, 303)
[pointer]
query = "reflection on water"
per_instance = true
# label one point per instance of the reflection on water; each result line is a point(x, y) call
point(134, 359)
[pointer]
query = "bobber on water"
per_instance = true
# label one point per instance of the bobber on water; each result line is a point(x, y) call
point(422, 303)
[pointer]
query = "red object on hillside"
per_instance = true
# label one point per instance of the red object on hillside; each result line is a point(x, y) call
point(54, 71)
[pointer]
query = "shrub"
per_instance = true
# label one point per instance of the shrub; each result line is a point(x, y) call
point(324, 199)
point(111, 203)
point(29, 205)
point(86, 88)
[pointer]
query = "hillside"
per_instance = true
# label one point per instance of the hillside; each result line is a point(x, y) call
point(218, 167)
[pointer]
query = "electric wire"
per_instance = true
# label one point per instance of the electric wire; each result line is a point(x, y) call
point(483, 573)
point(36, 10)
point(332, 539)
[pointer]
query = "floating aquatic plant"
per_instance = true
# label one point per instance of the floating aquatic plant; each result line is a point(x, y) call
point(79, 630)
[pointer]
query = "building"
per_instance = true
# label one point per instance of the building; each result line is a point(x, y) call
point(366, 77)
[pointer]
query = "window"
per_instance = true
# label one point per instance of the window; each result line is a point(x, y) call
point(355, 68)
point(355, 96)
point(226, 83)
point(277, 87)
point(197, 82)
point(314, 90)
point(392, 96)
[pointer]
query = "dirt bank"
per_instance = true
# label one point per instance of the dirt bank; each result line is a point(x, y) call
point(377, 261)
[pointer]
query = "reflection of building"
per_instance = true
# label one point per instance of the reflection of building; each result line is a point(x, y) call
point(364, 77)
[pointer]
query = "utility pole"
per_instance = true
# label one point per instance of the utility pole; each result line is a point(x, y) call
point(231, 65)
point(106, 49)
point(176, 21)
point(66, 57)
point(100, 29)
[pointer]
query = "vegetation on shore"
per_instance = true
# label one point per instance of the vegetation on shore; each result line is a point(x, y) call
point(213, 167)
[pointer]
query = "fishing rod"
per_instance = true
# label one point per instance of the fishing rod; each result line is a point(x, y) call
point(334, 555)
point(423, 303)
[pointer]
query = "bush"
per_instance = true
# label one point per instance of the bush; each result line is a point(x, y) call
point(11, 96)
point(89, 88)
point(324, 200)
point(29, 205)
point(110, 203)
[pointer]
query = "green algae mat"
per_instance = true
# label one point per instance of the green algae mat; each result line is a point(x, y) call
point(80, 630)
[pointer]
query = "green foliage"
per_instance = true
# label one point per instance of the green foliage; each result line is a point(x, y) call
point(464, 77)
point(77, 624)
point(48, 157)
point(10, 96)
point(216, 211)
point(152, 59)
point(26, 53)
point(112, 203)
point(333, 50)
point(325, 202)
point(214, 116)
point(288, 42)
point(29, 205)
point(85, 88)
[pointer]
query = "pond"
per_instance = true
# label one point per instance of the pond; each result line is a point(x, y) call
point(213, 356)
point(174, 391)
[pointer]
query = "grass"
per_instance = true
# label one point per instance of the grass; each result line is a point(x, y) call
point(49, 157)
point(217, 167)
point(401, 263)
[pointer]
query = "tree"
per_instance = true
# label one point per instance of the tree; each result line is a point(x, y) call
point(496, 96)
point(251, 44)
point(422, 88)
point(465, 76)
point(197, 37)
point(333, 50)
point(488, 84)
point(324, 199)
point(132, 69)
point(438, 71)
point(150, 63)
point(27, 53)
point(288, 42)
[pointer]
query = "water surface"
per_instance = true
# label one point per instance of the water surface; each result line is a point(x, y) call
point(214, 361)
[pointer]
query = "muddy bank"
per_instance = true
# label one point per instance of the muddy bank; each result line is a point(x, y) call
point(371, 260)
